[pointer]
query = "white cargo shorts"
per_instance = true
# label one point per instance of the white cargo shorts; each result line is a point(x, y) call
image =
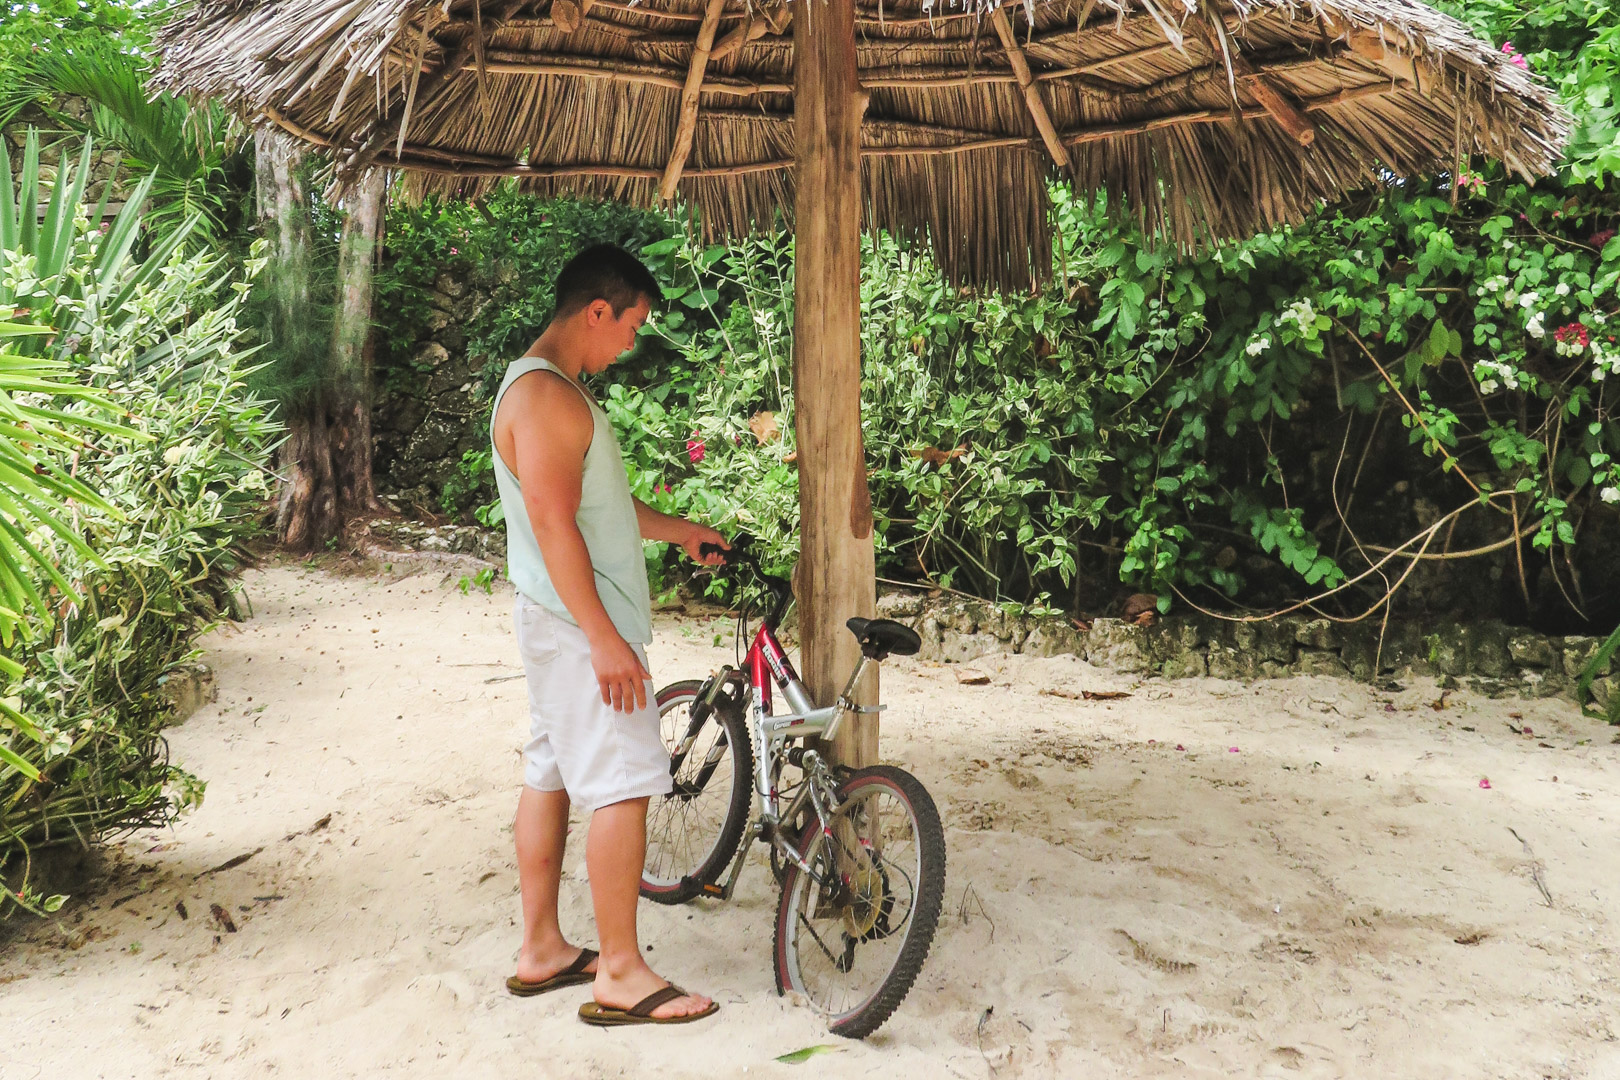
point(577, 743)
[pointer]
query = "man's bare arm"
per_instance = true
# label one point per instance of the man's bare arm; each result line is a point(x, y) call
point(550, 427)
point(655, 525)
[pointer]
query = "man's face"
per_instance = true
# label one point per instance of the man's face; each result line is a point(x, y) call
point(612, 336)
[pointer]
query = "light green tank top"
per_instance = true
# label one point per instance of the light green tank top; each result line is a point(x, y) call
point(607, 520)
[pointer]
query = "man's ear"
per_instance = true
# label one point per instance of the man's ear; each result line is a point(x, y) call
point(597, 311)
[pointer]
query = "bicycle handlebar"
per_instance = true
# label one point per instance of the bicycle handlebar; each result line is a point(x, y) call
point(740, 555)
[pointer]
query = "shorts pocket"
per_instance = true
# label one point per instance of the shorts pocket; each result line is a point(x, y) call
point(536, 633)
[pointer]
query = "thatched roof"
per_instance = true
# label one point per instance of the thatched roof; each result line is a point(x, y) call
point(1208, 121)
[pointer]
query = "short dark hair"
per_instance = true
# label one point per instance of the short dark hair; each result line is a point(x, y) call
point(604, 272)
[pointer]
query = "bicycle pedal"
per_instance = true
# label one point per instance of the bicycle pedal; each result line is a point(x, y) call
point(711, 889)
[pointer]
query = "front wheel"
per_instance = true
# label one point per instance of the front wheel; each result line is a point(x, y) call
point(852, 934)
point(693, 831)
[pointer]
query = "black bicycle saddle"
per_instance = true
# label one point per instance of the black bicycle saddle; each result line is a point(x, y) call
point(882, 637)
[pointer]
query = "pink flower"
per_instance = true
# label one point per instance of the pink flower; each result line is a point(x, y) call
point(1601, 238)
point(453, 251)
point(1513, 55)
point(694, 448)
point(1231, 749)
point(1485, 782)
point(1180, 747)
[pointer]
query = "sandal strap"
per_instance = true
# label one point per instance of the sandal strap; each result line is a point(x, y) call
point(579, 965)
point(645, 1007)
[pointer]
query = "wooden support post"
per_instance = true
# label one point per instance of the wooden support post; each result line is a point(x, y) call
point(687, 124)
point(1032, 92)
point(836, 577)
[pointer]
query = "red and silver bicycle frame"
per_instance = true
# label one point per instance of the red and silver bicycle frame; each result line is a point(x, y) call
point(766, 664)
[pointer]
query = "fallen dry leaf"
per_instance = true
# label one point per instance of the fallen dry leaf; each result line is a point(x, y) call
point(1471, 939)
point(1146, 618)
point(1137, 603)
point(764, 426)
point(970, 677)
point(1104, 695)
point(1053, 691)
point(936, 457)
point(222, 917)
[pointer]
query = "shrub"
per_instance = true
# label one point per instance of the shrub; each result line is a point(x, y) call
point(180, 480)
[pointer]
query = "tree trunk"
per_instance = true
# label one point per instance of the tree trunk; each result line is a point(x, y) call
point(836, 569)
point(325, 463)
point(350, 400)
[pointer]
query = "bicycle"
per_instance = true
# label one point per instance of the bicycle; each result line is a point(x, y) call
point(859, 854)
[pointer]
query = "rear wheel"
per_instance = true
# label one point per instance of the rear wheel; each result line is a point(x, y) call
point(852, 934)
point(693, 832)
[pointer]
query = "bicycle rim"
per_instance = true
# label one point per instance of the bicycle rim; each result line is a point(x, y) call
point(691, 833)
point(853, 935)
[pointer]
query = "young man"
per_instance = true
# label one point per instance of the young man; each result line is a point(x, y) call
point(583, 618)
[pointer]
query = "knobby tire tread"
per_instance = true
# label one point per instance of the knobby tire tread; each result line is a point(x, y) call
point(930, 899)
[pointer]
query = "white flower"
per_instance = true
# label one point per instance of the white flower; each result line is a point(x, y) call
point(1487, 386)
point(1563, 289)
point(173, 454)
point(1610, 494)
point(1528, 300)
point(1258, 345)
point(1534, 326)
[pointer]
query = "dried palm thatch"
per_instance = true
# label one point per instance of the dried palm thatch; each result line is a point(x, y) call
point(1207, 121)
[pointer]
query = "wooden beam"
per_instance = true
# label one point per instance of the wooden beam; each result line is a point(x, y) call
point(686, 126)
point(1218, 116)
point(391, 126)
point(513, 62)
point(1032, 92)
point(1267, 91)
point(836, 576)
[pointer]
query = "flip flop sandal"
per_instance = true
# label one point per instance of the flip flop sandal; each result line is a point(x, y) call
point(572, 975)
point(593, 1012)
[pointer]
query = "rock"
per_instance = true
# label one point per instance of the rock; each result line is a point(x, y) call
point(955, 647)
point(1488, 649)
point(1318, 634)
point(1405, 649)
point(902, 604)
point(429, 356)
point(1173, 638)
point(1448, 649)
point(1186, 665)
point(1272, 639)
point(1603, 691)
point(1119, 646)
point(1051, 637)
point(189, 687)
point(1533, 650)
point(1320, 662)
point(1226, 662)
point(1272, 669)
point(449, 284)
point(1578, 652)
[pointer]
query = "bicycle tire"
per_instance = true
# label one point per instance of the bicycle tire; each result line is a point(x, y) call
point(870, 1014)
point(689, 884)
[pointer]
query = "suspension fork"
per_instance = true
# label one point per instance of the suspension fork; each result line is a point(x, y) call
point(707, 701)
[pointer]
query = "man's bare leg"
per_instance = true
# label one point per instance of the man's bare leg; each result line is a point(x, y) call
point(615, 851)
point(540, 831)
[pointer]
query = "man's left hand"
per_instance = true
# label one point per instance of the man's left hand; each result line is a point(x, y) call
point(697, 537)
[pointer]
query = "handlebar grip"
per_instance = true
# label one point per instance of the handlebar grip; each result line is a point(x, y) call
point(711, 549)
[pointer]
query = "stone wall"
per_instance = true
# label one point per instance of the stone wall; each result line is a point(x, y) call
point(429, 406)
point(105, 162)
point(1489, 657)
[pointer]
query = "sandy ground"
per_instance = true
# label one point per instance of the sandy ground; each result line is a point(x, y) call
point(1300, 878)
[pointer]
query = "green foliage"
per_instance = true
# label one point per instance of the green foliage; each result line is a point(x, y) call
point(191, 152)
point(1257, 424)
point(148, 561)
